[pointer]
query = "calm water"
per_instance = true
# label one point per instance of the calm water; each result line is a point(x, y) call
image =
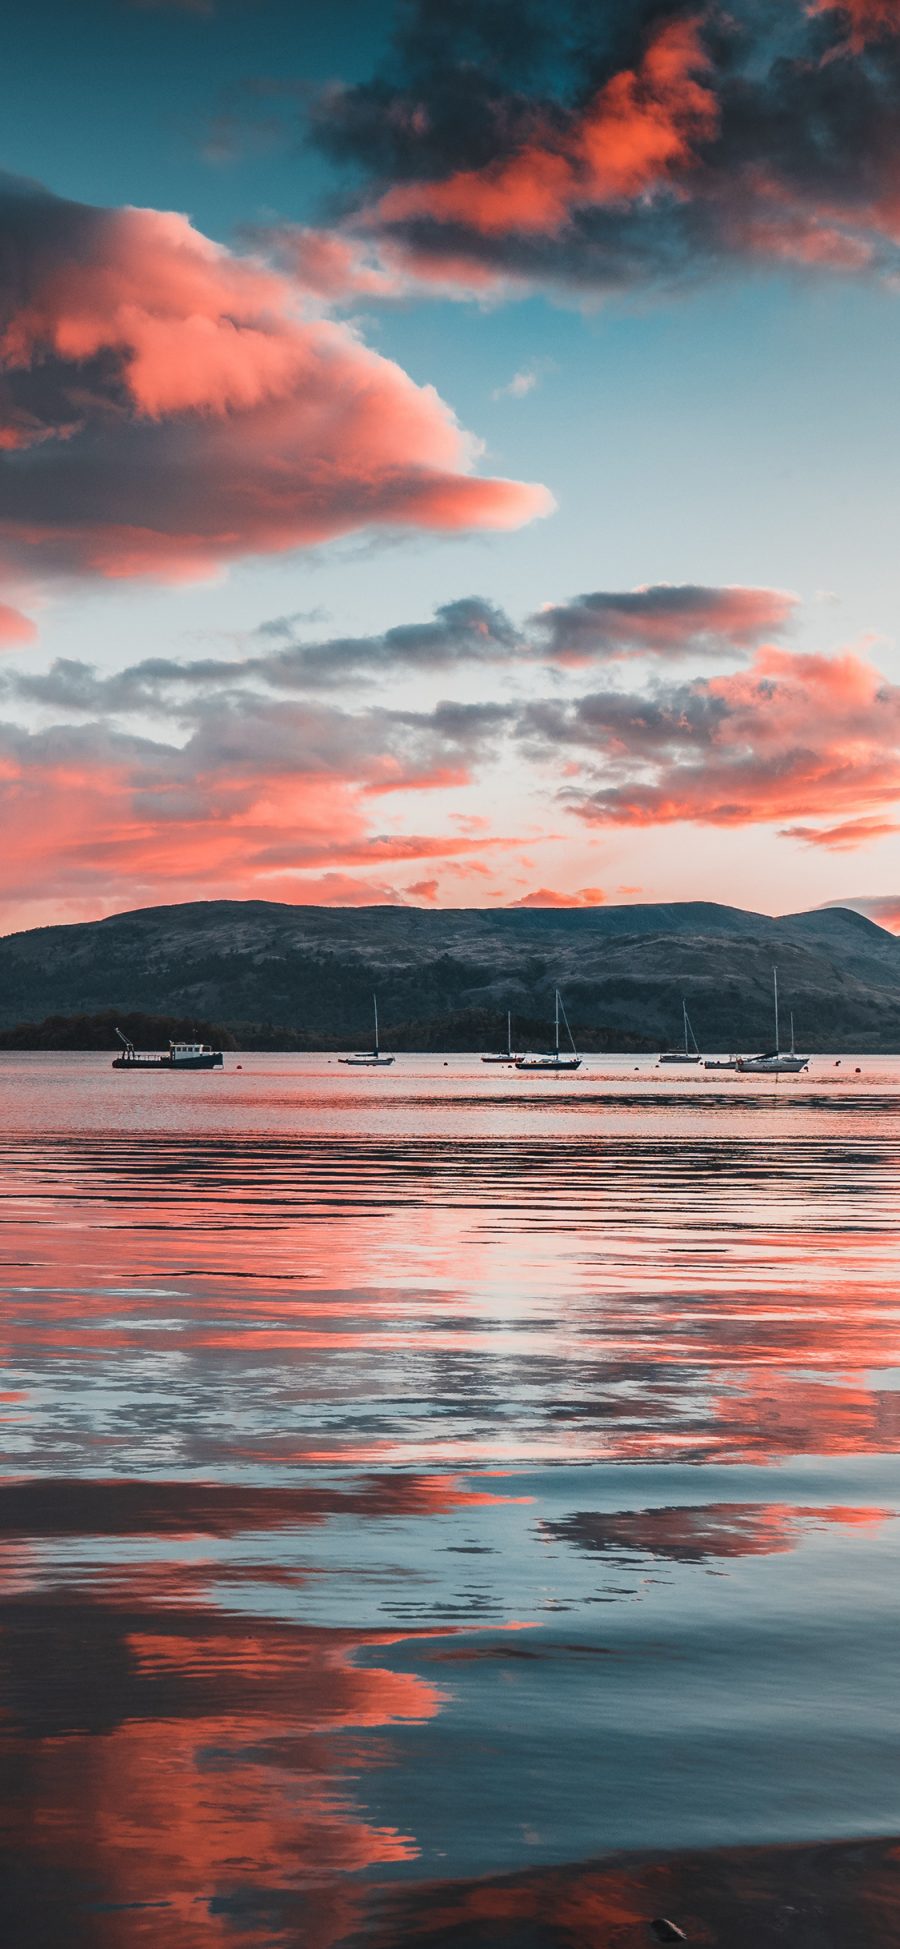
point(436, 1474)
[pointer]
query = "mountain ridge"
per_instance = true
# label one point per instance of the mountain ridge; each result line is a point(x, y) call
point(623, 969)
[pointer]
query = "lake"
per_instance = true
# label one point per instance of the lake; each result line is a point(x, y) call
point(446, 1506)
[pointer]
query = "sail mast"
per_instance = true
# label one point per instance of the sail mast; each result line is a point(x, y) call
point(775, 986)
point(509, 1048)
point(376, 1050)
point(684, 1013)
point(557, 1021)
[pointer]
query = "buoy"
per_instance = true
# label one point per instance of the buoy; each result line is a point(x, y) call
point(666, 1931)
point(857, 1072)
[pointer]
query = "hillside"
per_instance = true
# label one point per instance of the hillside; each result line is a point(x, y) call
point(444, 977)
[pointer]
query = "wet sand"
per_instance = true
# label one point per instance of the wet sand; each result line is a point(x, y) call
point(841, 1896)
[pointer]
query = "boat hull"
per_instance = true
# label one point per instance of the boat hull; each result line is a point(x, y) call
point(692, 1060)
point(143, 1063)
point(772, 1065)
point(550, 1066)
point(366, 1062)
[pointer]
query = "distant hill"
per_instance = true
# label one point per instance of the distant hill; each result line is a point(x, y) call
point(289, 976)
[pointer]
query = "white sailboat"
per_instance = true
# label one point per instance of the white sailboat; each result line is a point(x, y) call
point(508, 1055)
point(369, 1058)
point(553, 1061)
point(690, 1052)
point(777, 1062)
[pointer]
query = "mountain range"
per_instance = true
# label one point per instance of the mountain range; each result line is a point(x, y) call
point(294, 976)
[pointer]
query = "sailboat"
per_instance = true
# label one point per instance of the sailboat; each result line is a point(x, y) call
point(777, 1062)
point(554, 1060)
point(369, 1058)
point(690, 1052)
point(507, 1055)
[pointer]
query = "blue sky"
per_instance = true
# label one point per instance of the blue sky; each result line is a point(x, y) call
point(735, 428)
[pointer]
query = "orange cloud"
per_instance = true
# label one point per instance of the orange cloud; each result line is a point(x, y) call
point(867, 17)
point(602, 166)
point(189, 413)
point(638, 132)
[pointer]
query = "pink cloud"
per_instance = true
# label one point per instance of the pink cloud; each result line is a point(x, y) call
point(791, 737)
point(884, 908)
point(548, 897)
point(424, 889)
point(187, 412)
point(842, 838)
point(14, 627)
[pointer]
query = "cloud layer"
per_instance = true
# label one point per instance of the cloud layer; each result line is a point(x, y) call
point(250, 773)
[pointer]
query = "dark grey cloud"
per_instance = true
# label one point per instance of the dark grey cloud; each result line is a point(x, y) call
point(661, 622)
point(798, 162)
point(664, 620)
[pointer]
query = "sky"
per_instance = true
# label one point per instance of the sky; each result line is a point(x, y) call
point(449, 453)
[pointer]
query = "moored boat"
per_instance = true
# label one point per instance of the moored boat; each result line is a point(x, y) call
point(690, 1053)
point(508, 1054)
point(553, 1060)
point(777, 1061)
point(369, 1058)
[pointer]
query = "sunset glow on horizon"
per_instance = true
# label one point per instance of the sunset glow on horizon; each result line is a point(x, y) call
point(448, 466)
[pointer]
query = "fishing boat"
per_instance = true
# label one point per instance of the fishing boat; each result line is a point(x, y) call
point(369, 1058)
point(179, 1055)
point(777, 1062)
point(553, 1061)
point(507, 1055)
point(690, 1052)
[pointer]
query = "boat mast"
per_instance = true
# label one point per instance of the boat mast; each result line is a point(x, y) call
point(568, 1030)
point(793, 1050)
point(376, 1050)
point(684, 1013)
point(557, 1024)
point(509, 1032)
point(775, 987)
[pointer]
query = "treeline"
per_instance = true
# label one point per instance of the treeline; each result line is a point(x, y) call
point(458, 1031)
point(99, 1032)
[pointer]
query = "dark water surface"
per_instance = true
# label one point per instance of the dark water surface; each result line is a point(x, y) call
point(422, 1486)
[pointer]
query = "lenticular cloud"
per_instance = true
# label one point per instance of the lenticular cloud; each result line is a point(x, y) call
point(166, 406)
